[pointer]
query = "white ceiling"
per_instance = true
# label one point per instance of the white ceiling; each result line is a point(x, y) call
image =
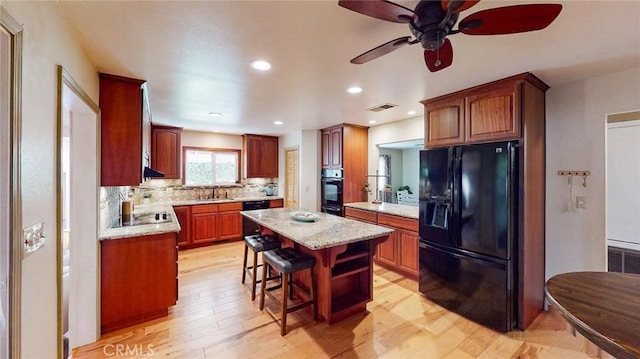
point(195, 57)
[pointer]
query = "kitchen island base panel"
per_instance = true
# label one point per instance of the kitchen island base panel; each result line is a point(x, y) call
point(344, 277)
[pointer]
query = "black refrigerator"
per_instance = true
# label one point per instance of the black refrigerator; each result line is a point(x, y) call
point(468, 231)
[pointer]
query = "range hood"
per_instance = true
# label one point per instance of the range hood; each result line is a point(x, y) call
point(151, 173)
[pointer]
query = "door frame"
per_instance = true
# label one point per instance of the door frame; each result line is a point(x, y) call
point(65, 81)
point(14, 29)
point(612, 118)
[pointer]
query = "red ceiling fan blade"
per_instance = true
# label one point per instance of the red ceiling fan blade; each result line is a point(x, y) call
point(380, 9)
point(458, 5)
point(510, 19)
point(439, 59)
point(381, 50)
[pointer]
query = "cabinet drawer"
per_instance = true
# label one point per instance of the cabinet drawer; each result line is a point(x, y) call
point(232, 206)
point(204, 208)
point(399, 222)
point(361, 214)
point(276, 203)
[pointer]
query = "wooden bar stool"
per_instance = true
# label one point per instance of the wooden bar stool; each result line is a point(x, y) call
point(287, 261)
point(257, 243)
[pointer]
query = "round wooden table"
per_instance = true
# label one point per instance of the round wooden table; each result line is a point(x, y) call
point(604, 307)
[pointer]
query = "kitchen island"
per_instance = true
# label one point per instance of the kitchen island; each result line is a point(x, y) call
point(343, 249)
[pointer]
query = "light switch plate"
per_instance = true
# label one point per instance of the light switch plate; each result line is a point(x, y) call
point(33, 239)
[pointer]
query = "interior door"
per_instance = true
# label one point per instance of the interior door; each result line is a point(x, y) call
point(291, 178)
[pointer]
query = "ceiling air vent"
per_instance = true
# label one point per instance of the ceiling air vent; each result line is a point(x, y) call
point(384, 106)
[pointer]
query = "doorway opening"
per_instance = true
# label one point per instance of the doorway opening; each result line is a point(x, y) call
point(622, 192)
point(77, 216)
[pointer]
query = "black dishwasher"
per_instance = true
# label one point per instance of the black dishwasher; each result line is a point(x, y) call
point(250, 227)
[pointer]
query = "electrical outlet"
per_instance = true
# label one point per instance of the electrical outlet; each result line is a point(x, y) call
point(581, 202)
point(33, 239)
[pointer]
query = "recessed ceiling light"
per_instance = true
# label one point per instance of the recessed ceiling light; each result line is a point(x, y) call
point(216, 131)
point(372, 121)
point(215, 114)
point(354, 89)
point(261, 65)
point(410, 113)
point(278, 123)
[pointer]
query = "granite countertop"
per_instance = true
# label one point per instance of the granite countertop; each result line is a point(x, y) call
point(166, 227)
point(327, 231)
point(387, 208)
point(144, 229)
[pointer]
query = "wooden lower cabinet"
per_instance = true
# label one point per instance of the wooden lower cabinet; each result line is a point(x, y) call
point(205, 224)
point(138, 279)
point(387, 250)
point(400, 251)
point(205, 228)
point(408, 242)
point(230, 221)
point(276, 203)
point(183, 214)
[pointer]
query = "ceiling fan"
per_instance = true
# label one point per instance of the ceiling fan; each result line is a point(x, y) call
point(432, 20)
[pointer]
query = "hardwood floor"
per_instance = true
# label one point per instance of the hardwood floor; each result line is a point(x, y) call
point(215, 318)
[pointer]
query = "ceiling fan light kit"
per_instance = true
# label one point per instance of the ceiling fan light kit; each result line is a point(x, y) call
point(433, 20)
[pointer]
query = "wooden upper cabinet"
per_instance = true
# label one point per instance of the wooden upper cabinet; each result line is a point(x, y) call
point(444, 122)
point(269, 157)
point(260, 156)
point(336, 148)
point(493, 114)
point(326, 143)
point(332, 147)
point(346, 147)
point(165, 150)
point(122, 130)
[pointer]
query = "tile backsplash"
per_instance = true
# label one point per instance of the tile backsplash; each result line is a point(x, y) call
point(110, 204)
point(169, 190)
point(166, 190)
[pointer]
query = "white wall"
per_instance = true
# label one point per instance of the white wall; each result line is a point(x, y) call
point(576, 115)
point(210, 139)
point(47, 42)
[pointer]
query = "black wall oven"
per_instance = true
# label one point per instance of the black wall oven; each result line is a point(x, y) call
point(331, 191)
